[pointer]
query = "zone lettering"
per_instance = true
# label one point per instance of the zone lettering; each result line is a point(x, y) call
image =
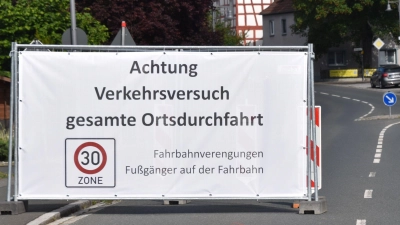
point(90, 180)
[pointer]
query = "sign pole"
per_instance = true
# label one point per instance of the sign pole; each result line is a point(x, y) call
point(123, 25)
point(73, 22)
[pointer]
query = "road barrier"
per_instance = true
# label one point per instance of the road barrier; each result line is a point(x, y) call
point(176, 122)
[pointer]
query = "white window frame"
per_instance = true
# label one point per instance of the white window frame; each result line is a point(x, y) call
point(386, 59)
point(271, 28)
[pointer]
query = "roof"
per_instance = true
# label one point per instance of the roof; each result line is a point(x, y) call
point(278, 7)
point(6, 79)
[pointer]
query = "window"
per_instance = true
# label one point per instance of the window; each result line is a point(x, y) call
point(283, 22)
point(271, 28)
point(336, 58)
point(387, 56)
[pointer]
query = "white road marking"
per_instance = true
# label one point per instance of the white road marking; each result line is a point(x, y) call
point(372, 174)
point(378, 153)
point(368, 194)
point(361, 222)
point(73, 218)
point(372, 107)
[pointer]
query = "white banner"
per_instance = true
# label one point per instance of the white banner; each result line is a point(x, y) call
point(102, 125)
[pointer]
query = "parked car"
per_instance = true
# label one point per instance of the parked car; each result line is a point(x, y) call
point(386, 76)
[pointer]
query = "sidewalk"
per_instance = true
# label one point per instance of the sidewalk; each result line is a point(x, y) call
point(4, 164)
point(343, 80)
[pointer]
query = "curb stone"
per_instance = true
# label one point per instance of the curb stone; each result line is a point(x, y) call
point(5, 163)
point(61, 212)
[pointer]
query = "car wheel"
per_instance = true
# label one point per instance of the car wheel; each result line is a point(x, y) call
point(381, 85)
point(372, 84)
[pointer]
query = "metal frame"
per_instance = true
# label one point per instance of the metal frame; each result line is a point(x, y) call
point(14, 98)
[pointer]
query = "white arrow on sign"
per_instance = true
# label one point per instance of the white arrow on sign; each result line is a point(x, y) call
point(391, 100)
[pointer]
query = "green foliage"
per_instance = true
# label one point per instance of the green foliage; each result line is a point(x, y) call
point(44, 20)
point(5, 74)
point(4, 139)
point(3, 175)
point(97, 33)
point(229, 35)
point(329, 23)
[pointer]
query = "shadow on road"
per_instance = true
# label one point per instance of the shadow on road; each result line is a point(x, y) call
point(157, 207)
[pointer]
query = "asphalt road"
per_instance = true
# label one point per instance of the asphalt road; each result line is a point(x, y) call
point(36, 208)
point(358, 189)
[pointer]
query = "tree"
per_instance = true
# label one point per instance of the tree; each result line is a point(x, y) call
point(230, 37)
point(329, 23)
point(44, 20)
point(159, 22)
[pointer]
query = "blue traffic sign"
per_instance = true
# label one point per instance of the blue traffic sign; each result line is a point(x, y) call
point(389, 99)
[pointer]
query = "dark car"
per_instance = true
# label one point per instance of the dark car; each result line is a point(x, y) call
point(386, 76)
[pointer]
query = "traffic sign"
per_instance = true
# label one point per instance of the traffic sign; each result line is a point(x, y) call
point(378, 43)
point(123, 36)
point(89, 162)
point(389, 98)
point(96, 157)
point(128, 40)
point(81, 37)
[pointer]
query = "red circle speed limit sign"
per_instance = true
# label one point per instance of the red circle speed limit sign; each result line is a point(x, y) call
point(92, 158)
point(89, 162)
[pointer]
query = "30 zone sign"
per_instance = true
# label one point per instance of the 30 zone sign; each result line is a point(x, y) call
point(89, 162)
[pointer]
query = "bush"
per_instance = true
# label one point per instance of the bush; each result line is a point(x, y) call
point(4, 139)
point(5, 73)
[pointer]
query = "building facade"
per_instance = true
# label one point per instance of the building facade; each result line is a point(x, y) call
point(244, 17)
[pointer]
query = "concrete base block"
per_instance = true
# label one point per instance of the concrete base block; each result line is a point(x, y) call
point(13, 208)
point(176, 202)
point(313, 207)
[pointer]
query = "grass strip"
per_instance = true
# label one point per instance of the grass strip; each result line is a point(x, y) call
point(3, 175)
